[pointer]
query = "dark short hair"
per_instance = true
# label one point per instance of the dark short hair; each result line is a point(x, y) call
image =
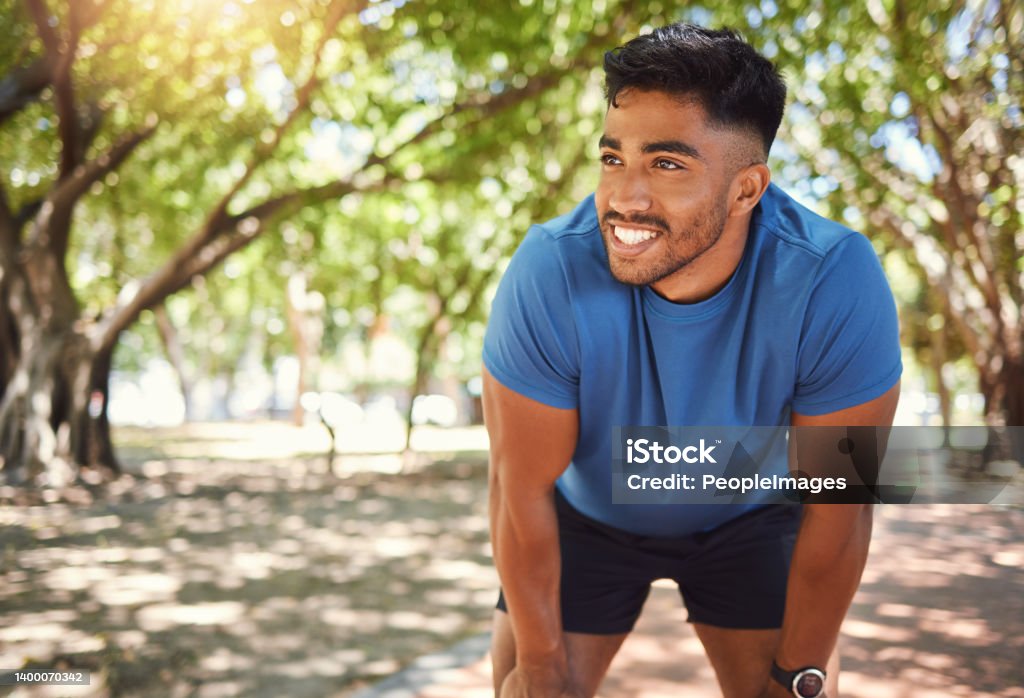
point(736, 85)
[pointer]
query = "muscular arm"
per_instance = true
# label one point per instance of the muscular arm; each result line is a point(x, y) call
point(531, 444)
point(829, 556)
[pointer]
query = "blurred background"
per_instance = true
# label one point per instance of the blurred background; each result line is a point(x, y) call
point(247, 250)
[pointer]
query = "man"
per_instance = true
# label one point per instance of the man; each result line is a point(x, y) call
point(687, 291)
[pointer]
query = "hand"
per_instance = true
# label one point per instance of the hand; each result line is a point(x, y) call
point(522, 684)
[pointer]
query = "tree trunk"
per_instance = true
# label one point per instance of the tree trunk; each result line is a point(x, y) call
point(1013, 375)
point(304, 310)
point(53, 408)
point(53, 418)
point(939, 357)
point(91, 443)
point(175, 355)
point(295, 307)
point(1003, 391)
point(9, 339)
point(427, 351)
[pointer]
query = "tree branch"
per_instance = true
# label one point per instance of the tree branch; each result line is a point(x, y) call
point(11, 223)
point(178, 272)
point(22, 86)
point(41, 16)
point(484, 104)
point(954, 185)
point(86, 174)
point(87, 14)
point(216, 252)
point(68, 125)
point(485, 108)
point(61, 57)
point(962, 206)
point(205, 250)
point(221, 234)
point(977, 275)
point(8, 236)
point(61, 200)
point(942, 282)
point(26, 213)
point(262, 152)
point(89, 124)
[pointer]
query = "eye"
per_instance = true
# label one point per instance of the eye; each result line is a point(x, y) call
point(609, 159)
point(663, 164)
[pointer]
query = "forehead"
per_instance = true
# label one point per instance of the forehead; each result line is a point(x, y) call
point(656, 115)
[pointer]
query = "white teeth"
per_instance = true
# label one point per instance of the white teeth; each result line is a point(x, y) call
point(632, 236)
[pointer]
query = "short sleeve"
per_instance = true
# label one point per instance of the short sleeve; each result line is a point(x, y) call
point(850, 346)
point(530, 345)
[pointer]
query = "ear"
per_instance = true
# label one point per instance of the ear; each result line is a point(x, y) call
point(748, 185)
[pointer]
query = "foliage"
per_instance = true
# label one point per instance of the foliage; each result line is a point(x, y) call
point(152, 142)
point(908, 119)
point(394, 153)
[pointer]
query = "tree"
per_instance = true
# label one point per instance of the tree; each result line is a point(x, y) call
point(55, 361)
point(167, 109)
point(909, 117)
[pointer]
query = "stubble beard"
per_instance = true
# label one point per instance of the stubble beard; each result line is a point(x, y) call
point(701, 236)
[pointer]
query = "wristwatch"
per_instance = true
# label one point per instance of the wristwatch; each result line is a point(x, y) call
point(808, 682)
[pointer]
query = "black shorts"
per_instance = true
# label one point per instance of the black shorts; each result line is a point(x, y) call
point(733, 576)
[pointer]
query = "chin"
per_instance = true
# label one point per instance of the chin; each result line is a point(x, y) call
point(631, 274)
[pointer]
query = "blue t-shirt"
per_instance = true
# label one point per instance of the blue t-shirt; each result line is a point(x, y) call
point(807, 323)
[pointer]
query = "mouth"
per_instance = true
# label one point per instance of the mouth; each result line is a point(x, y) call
point(630, 241)
point(633, 236)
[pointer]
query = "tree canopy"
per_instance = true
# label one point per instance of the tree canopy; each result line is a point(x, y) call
point(173, 165)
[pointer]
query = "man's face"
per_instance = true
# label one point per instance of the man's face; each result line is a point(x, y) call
point(664, 184)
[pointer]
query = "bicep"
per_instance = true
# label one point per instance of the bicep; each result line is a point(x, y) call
point(849, 348)
point(531, 443)
point(875, 413)
point(815, 452)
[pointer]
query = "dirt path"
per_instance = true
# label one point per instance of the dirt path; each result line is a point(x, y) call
point(269, 578)
point(246, 578)
point(940, 615)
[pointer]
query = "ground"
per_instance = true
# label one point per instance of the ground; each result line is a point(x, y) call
point(224, 576)
point(230, 561)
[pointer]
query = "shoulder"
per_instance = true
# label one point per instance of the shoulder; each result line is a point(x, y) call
point(532, 344)
point(802, 231)
point(582, 220)
point(564, 247)
point(577, 227)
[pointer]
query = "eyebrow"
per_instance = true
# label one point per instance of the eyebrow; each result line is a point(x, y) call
point(677, 147)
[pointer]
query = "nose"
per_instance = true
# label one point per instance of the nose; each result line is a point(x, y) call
point(629, 193)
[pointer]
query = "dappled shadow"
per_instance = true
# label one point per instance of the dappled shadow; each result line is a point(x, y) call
point(942, 604)
point(261, 578)
point(275, 577)
point(940, 614)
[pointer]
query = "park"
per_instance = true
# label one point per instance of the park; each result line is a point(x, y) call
point(248, 253)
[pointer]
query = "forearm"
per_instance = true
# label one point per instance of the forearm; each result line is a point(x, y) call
point(828, 560)
point(524, 530)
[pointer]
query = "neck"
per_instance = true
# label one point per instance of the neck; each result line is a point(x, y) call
point(710, 272)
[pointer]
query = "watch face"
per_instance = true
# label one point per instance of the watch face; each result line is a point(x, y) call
point(810, 686)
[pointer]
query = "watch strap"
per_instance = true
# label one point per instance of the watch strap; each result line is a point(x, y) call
point(787, 679)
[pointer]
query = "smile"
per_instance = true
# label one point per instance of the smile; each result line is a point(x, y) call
point(633, 236)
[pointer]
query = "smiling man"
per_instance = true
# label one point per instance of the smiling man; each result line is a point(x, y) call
point(688, 290)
